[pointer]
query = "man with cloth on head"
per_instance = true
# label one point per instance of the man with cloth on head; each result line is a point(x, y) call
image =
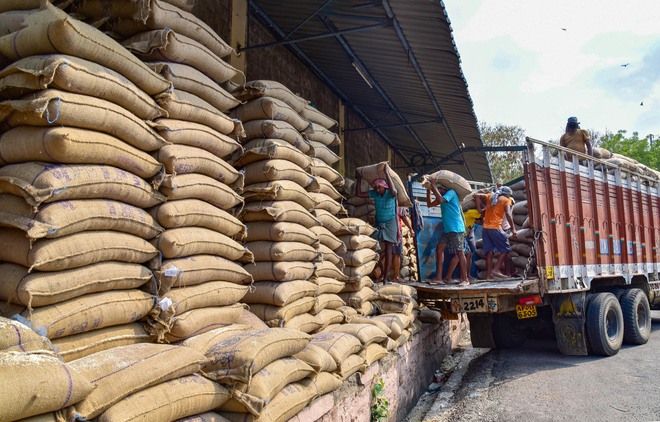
point(575, 138)
point(497, 207)
point(387, 224)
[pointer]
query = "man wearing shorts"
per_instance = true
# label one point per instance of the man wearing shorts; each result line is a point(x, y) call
point(497, 207)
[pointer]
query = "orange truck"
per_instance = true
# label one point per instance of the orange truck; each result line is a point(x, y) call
point(596, 257)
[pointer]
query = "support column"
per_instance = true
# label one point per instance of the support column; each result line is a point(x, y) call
point(238, 35)
point(341, 165)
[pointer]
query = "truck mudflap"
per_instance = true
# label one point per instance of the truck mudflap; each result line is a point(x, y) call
point(569, 316)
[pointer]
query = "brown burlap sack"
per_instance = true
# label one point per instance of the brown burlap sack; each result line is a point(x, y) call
point(52, 106)
point(171, 400)
point(324, 202)
point(184, 159)
point(406, 335)
point(360, 241)
point(520, 208)
point(348, 312)
point(282, 251)
point(306, 323)
point(47, 288)
point(378, 171)
point(278, 190)
point(269, 108)
point(80, 76)
point(280, 271)
point(274, 211)
point(42, 182)
point(277, 316)
point(356, 273)
point(168, 46)
point(366, 333)
point(519, 219)
point(203, 342)
point(374, 321)
point(324, 153)
point(90, 312)
point(185, 241)
point(265, 149)
point(71, 36)
point(211, 293)
point(73, 251)
point(313, 115)
point(10, 5)
point(279, 293)
point(430, 316)
point(192, 270)
point(360, 257)
point(328, 269)
point(199, 186)
point(321, 169)
point(181, 105)
point(197, 135)
point(238, 358)
point(356, 286)
point(280, 232)
point(372, 353)
point(204, 417)
point(521, 248)
point(272, 170)
point(189, 79)
point(22, 375)
point(195, 212)
point(355, 226)
point(264, 88)
point(320, 134)
point(328, 285)
point(316, 357)
point(395, 322)
point(125, 370)
point(78, 346)
point(200, 321)
point(367, 309)
point(18, 337)
point(329, 221)
point(328, 189)
point(356, 299)
point(330, 255)
point(276, 129)
point(251, 320)
point(449, 180)
point(363, 212)
point(339, 345)
point(329, 317)
point(328, 239)
point(392, 291)
point(387, 307)
point(327, 301)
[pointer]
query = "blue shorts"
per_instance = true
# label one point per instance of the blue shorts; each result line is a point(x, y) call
point(495, 240)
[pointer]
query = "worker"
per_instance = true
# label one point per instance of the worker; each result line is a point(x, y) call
point(402, 214)
point(453, 233)
point(575, 138)
point(497, 208)
point(387, 227)
point(471, 216)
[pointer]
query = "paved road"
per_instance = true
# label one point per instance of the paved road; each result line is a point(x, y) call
point(537, 383)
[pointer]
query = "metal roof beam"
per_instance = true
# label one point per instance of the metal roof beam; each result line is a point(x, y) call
point(439, 120)
point(300, 25)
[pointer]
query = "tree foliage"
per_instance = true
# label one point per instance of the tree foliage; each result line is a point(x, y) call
point(508, 165)
point(645, 150)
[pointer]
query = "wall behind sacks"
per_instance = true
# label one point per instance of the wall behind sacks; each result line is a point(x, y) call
point(217, 15)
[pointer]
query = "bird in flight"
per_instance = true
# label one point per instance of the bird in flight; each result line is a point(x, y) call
point(625, 65)
point(563, 29)
point(642, 103)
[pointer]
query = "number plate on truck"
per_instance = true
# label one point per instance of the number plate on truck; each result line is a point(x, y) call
point(526, 311)
point(474, 304)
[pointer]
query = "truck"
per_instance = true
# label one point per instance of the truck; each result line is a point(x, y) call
point(593, 274)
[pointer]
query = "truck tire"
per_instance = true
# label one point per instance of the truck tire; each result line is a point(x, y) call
point(604, 325)
point(507, 331)
point(636, 317)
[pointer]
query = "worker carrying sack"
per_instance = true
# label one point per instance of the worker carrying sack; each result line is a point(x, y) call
point(448, 180)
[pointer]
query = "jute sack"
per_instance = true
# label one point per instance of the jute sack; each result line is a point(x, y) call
point(125, 370)
point(282, 251)
point(269, 108)
point(42, 182)
point(15, 20)
point(366, 333)
point(185, 241)
point(181, 105)
point(238, 358)
point(274, 211)
point(395, 291)
point(251, 320)
point(265, 149)
point(328, 285)
point(339, 345)
point(276, 129)
point(184, 159)
point(47, 288)
point(449, 180)
point(348, 312)
point(71, 36)
point(404, 338)
point(521, 248)
point(189, 79)
point(367, 309)
point(73, 251)
point(313, 115)
point(378, 171)
point(211, 293)
point(280, 232)
point(9, 5)
point(280, 271)
point(277, 316)
point(279, 293)
point(328, 239)
point(90, 312)
point(199, 186)
point(364, 212)
point(328, 317)
point(196, 135)
point(266, 384)
point(521, 208)
point(78, 346)
point(272, 170)
point(351, 365)
point(356, 286)
point(18, 337)
point(203, 342)
point(327, 188)
point(519, 219)
point(387, 307)
point(327, 301)
point(278, 190)
point(63, 218)
point(204, 417)
point(79, 76)
point(356, 273)
point(372, 353)
point(22, 375)
point(602, 153)
point(357, 201)
point(360, 257)
point(316, 357)
point(330, 255)
point(329, 221)
point(52, 106)
point(202, 320)
point(430, 316)
point(356, 242)
point(306, 323)
point(395, 322)
point(274, 89)
point(374, 321)
point(328, 269)
point(321, 169)
point(318, 133)
point(356, 299)
point(132, 17)
point(324, 153)
point(193, 270)
point(170, 400)
point(522, 261)
point(195, 212)
point(169, 46)
point(324, 202)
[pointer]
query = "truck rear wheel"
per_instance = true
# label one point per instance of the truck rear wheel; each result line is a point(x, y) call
point(508, 333)
point(604, 324)
point(636, 317)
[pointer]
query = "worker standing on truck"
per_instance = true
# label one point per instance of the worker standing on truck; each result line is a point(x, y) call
point(453, 233)
point(497, 208)
point(472, 216)
point(575, 138)
point(387, 225)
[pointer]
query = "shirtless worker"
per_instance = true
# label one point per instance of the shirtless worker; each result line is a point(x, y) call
point(496, 207)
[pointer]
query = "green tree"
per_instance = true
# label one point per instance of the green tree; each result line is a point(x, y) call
point(645, 150)
point(507, 165)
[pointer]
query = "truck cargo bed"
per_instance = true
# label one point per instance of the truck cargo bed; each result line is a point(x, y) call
point(503, 286)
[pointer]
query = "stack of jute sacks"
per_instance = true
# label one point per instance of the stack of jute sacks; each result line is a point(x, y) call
point(409, 269)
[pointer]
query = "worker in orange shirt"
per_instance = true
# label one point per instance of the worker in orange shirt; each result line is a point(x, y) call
point(496, 207)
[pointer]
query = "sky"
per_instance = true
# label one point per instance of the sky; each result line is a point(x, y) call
point(534, 63)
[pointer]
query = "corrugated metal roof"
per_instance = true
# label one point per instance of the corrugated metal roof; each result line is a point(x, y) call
point(413, 91)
